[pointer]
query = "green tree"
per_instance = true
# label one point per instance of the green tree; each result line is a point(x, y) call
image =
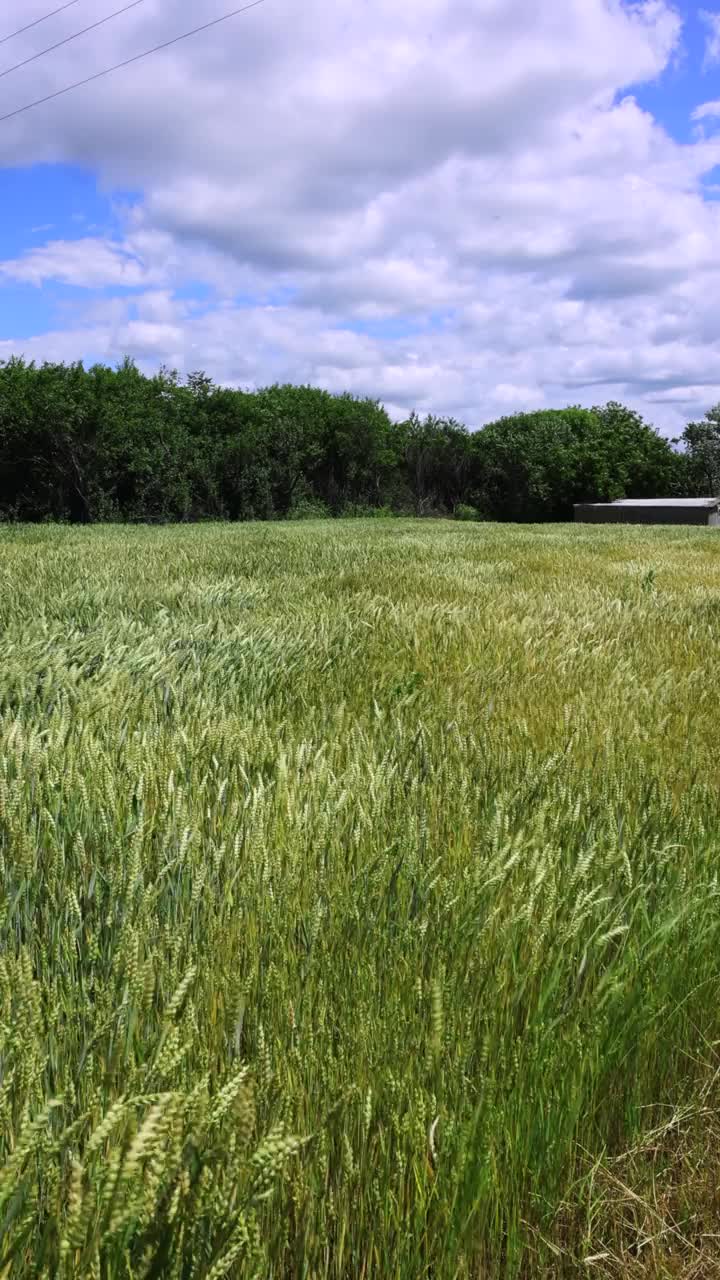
point(437, 461)
point(629, 459)
point(101, 443)
point(47, 442)
point(702, 449)
point(535, 466)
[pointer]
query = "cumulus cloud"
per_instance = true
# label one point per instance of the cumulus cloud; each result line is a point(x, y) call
point(456, 205)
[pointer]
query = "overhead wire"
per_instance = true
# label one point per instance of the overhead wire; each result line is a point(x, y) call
point(36, 23)
point(118, 66)
point(69, 39)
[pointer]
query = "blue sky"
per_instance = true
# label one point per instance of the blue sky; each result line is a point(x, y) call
point(40, 203)
point(686, 82)
point(375, 201)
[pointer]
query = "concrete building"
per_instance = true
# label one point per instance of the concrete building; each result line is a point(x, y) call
point(703, 511)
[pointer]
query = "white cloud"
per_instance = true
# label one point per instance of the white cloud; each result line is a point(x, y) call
point(707, 111)
point(712, 39)
point(454, 204)
point(89, 263)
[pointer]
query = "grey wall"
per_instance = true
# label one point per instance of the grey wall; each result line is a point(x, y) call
point(588, 513)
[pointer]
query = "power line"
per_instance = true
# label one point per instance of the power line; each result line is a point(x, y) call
point(128, 61)
point(68, 39)
point(37, 21)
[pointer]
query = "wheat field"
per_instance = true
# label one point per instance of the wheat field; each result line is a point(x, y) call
point(359, 901)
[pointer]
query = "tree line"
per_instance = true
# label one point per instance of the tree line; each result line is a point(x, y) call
point(102, 444)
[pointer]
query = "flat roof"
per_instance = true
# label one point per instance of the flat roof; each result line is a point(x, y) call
point(656, 502)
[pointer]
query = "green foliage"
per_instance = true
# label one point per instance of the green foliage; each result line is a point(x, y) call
point(465, 512)
point(436, 456)
point(535, 466)
point(308, 509)
point(107, 444)
point(702, 451)
point(104, 444)
point(357, 910)
point(628, 459)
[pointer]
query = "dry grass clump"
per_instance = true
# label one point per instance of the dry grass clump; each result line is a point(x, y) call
point(359, 902)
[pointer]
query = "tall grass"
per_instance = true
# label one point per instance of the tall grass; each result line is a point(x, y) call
point(359, 901)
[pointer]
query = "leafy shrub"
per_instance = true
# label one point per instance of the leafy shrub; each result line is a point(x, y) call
point(309, 509)
point(464, 511)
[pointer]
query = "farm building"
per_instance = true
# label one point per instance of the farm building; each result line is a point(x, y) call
point(704, 511)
